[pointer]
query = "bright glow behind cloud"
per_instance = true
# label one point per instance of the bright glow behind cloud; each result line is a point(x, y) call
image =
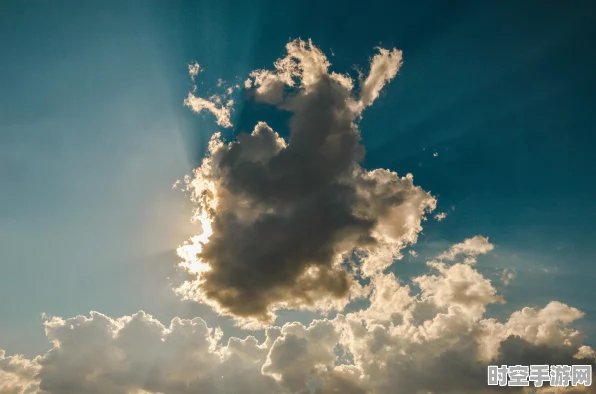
point(281, 213)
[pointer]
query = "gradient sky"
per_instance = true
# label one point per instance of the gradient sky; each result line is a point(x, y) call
point(93, 134)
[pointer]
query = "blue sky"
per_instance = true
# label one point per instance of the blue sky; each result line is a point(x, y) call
point(93, 134)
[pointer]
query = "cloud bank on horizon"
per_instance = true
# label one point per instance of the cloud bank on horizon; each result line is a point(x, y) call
point(300, 224)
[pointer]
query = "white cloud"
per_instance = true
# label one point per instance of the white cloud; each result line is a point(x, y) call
point(270, 87)
point(440, 216)
point(460, 287)
point(436, 340)
point(222, 112)
point(17, 374)
point(383, 68)
point(213, 104)
point(193, 70)
point(471, 248)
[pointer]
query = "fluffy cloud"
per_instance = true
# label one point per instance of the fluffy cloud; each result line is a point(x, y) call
point(278, 216)
point(17, 374)
point(435, 340)
point(300, 224)
point(458, 286)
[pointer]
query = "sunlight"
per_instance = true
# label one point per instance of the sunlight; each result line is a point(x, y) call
point(191, 249)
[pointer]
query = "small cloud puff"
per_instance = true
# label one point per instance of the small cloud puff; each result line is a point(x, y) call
point(440, 216)
point(507, 276)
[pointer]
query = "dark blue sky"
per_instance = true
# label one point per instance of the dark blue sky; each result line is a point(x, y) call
point(93, 133)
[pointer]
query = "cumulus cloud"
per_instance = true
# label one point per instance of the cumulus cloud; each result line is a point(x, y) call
point(300, 224)
point(17, 374)
point(281, 214)
point(458, 286)
point(433, 340)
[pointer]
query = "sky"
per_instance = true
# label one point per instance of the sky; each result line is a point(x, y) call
point(486, 255)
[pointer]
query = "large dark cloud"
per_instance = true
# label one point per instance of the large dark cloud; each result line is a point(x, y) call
point(281, 213)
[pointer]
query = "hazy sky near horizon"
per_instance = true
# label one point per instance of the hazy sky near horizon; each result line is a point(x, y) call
point(492, 112)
